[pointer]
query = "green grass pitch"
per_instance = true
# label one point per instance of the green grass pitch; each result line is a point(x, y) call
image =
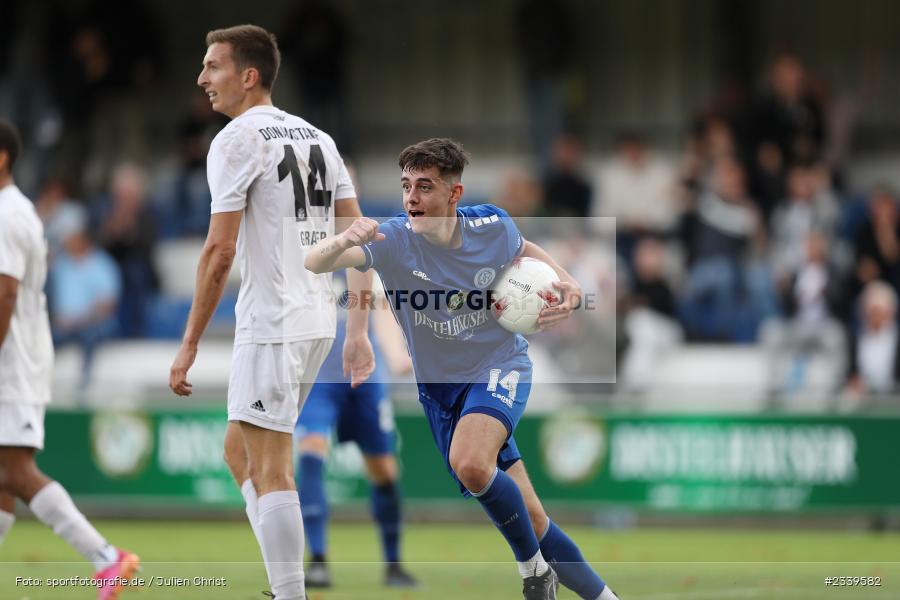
point(470, 561)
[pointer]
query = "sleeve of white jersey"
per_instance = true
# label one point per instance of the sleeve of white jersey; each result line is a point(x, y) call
point(12, 250)
point(344, 188)
point(233, 164)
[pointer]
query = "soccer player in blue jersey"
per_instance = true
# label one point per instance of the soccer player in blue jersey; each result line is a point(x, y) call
point(362, 415)
point(436, 261)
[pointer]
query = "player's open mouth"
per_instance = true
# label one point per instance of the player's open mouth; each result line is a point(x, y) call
point(212, 95)
point(415, 213)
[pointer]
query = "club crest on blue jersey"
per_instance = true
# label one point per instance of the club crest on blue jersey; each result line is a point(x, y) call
point(484, 277)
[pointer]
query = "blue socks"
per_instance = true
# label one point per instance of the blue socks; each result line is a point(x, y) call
point(503, 503)
point(385, 504)
point(386, 512)
point(313, 505)
point(564, 556)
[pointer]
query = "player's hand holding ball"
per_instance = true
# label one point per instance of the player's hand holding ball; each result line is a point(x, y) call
point(571, 299)
point(361, 232)
point(530, 297)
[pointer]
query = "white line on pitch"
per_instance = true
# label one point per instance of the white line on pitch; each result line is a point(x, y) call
point(729, 593)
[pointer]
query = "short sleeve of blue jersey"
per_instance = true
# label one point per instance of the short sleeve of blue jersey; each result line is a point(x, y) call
point(381, 254)
point(514, 241)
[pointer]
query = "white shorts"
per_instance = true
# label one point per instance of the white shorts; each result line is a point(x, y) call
point(269, 382)
point(22, 425)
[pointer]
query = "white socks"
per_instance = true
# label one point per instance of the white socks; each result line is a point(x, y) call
point(6, 523)
point(607, 594)
point(252, 509)
point(536, 565)
point(54, 507)
point(281, 529)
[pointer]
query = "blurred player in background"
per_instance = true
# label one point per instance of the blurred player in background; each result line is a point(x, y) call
point(363, 415)
point(26, 364)
point(474, 377)
point(277, 183)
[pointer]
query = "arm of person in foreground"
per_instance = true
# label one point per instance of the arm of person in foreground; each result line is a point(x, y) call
point(358, 355)
point(9, 289)
point(212, 275)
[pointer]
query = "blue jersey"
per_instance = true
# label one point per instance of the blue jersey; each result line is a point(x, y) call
point(440, 296)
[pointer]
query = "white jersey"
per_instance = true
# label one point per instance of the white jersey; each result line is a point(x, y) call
point(26, 356)
point(285, 175)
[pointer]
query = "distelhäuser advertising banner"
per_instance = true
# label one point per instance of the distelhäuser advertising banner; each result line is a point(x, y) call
point(695, 463)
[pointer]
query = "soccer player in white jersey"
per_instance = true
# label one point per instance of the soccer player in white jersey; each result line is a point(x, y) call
point(26, 362)
point(278, 185)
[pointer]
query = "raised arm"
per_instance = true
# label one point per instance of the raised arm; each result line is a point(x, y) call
point(212, 274)
point(343, 250)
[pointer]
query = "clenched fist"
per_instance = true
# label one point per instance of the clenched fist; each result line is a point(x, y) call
point(361, 232)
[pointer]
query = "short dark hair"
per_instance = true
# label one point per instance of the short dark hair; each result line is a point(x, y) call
point(251, 46)
point(10, 142)
point(447, 155)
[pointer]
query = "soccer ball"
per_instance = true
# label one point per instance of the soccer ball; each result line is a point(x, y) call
point(523, 289)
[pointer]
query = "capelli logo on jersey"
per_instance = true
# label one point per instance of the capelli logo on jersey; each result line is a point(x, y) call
point(421, 275)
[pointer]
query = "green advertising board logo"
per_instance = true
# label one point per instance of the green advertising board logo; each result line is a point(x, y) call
point(734, 452)
point(573, 448)
point(121, 443)
point(733, 465)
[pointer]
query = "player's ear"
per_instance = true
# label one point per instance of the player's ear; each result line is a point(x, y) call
point(251, 77)
point(456, 192)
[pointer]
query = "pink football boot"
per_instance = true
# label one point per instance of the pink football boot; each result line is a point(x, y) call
point(110, 579)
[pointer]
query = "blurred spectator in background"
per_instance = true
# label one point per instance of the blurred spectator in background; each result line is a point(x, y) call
point(128, 232)
point(787, 127)
point(877, 243)
point(567, 192)
point(874, 352)
point(85, 288)
point(25, 94)
point(810, 206)
point(521, 194)
point(711, 140)
point(545, 40)
point(57, 208)
point(9, 25)
point(727, 290)
point(650, 324)
point(809, 328)
point(638, 190)
point(583, 347)
point(788, 115)
point(315, 41)
point(186, 202)
point(103, 72)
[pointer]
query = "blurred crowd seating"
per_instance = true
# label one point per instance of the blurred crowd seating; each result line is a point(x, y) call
point(745, 265)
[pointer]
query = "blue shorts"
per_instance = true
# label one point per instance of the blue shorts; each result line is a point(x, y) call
point(363, 415)
point(446, 404)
